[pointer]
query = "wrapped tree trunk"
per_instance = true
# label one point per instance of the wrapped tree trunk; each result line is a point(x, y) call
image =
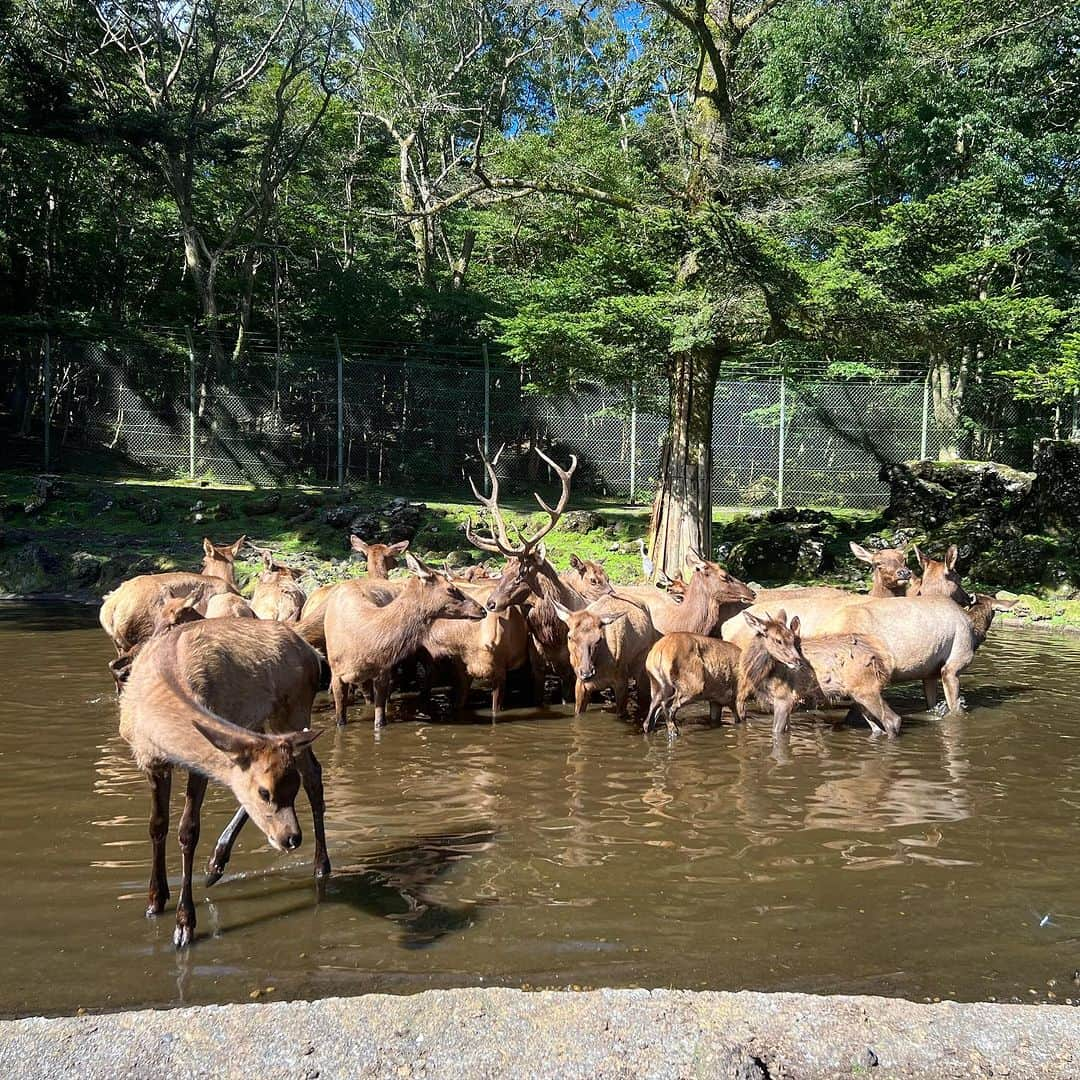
point(682, 510)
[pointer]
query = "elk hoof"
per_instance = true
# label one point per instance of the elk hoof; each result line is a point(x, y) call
point(156, 907)
point(322, 868)
point(183, 936)
point(214, 874)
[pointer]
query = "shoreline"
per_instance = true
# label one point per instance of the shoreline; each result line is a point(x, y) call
point(476, 1032)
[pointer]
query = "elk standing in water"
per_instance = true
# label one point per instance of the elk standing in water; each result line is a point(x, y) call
point(782, 671)
point(228, 700)
point(278, 595)
point(528, 573)
point(127, 613)
point(684, 668)
point(365, 640)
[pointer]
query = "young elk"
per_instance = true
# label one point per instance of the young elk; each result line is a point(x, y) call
point(229, 606)
point(527, 572)
point(230, 702)
point(782, 671)
point(381, 558)
point(939, 578)
point(891, 575)
point(278, 595)
point(173, 611)
point(608, 641)
point(684, 668)
point(365, 640)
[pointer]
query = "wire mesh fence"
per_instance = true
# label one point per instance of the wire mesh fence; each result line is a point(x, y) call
point(409, 416)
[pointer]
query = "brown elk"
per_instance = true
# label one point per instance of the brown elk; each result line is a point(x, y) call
point(928, 637)
point(173, 611)
point(129, 612)
point(527, 571)
point(219, 559)
point(981, 613)
point(588, 578)
point(365, 640)
point(891, 576)
point(675, 586)
point(782, 670)
point(230, 702)
point(608, 641)
point(487, 650)
point(381, 558)
point(939, 578)
point(277, 594)
point(684, 668)
point(711, 598)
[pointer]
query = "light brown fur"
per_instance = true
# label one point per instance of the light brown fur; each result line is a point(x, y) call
point(278, 595)
point(684, 668)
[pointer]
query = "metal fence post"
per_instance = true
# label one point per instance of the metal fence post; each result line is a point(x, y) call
point(48, 398)
point(340, 414)
point(633, 441)
point(780, 441)
point(192, 406)
point(487, 412)
point(923, 447)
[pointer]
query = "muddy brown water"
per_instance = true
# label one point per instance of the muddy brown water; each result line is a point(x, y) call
point(553, 850)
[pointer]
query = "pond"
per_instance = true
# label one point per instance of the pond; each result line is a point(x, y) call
point(550, 850)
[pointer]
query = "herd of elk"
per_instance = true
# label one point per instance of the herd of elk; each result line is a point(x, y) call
point(223, 686)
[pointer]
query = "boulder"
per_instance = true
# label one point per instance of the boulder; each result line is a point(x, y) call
point(1056, 493)
point(930, 493)
point(581, 521)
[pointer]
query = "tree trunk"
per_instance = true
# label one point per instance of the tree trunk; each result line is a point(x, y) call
point(682, 510)
point(944, 407)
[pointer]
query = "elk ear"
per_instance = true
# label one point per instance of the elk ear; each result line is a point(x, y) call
point(781, 616)
point(756, 624)
point(399, 548)
point(951, 556)
point(795, 625)
point(577, 564)
point(860, 552)
point(193, 599)
point(693, 559)
point(424, 573)
point(208, 546)
point(237, 545)
point(562, 612)
point(541, 551)
point(358, 545)
point(267, 558)
point(299, 741)
point(607, 620)
point(920, 556)
point(232, 740)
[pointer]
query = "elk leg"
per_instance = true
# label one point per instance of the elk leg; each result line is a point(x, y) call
point(340, 689)
point(929, 689)
point(622, 694)
point(537, 669)
point(184, 933)
point(462, 686)
point(716, 712)
point(381, 685)
point(674, 704)
point(950, 681)
point(498, 689)
point(160, 789)
point(311, 775)
point(581, 697)
point(781, 714)
point(223, 849)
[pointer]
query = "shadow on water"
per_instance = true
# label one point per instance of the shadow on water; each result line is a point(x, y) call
point(395, 884)
point(46, 615)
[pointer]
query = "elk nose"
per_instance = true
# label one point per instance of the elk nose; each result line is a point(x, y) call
point(903, 575)
point(585, 675)
point(292, 841)
point(490, 605)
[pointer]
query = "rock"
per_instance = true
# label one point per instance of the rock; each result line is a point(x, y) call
point(269, 505)
point(340, 516)
point(869, 1059)
point(929, 493)
point(149, 513)
point(1057, 486)
point(581, 521)
point(460, 558)
point(85, 569)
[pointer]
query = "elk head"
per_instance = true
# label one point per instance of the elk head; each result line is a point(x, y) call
point(981, 612)
point(716, 580)
point(263, 775)
point(381, 558)
point(218, 559)
point(524, 560)
point(891, 573)
point(174, 610)
point(592, 580)
point(780, 638)
point(675, 587)
point(442, 596)
point(584, 632)
point(939, 577)
point(272, 570)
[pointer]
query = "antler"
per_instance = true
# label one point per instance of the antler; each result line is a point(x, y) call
point(565, 476)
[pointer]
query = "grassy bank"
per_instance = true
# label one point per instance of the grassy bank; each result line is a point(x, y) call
point(88, 533)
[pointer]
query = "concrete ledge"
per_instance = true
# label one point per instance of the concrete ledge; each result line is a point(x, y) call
point(606, 1033)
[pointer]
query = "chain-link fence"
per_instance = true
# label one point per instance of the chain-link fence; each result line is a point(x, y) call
point(409, 417)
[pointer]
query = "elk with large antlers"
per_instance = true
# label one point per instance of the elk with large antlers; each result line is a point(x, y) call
point(528, 573)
